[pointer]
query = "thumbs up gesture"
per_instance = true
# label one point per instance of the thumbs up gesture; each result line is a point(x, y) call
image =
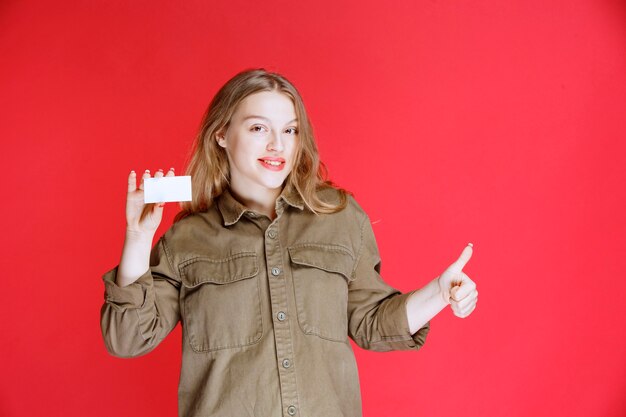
point(458, 289)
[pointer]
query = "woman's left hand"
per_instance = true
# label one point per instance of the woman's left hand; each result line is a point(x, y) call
point(458, 289)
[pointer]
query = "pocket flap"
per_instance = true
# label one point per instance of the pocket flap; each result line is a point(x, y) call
point(331, 258)
point(198, 271)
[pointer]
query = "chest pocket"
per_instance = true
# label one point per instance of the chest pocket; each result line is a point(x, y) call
point(221, 302)
point(321, 274)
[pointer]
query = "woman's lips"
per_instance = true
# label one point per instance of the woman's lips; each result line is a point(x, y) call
point(273, 164)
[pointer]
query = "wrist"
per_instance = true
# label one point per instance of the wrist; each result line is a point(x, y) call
point(443, 292)
point(135, 236)
point(424, 304)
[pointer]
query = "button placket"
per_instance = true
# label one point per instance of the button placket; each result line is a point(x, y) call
point(282, 333)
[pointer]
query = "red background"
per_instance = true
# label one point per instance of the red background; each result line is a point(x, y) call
point(496, 122)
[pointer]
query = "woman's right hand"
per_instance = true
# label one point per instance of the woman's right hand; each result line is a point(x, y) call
point(142, 220)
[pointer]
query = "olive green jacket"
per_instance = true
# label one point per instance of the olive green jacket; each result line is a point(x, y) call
point(266, 309)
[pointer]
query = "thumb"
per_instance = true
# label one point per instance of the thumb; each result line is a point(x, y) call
point(460, 263)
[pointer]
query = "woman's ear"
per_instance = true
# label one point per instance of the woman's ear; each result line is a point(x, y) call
point(221, 140)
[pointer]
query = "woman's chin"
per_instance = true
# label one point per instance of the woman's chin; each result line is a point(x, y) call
point(275, 183)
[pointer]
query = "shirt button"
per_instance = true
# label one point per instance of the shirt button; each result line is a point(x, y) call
point(251, 214)
point(286, 363)
point(281, 315)
point(291, 410)
point(272, 233)
point(275, 271)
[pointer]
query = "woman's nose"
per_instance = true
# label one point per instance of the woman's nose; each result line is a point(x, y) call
point(275, 143)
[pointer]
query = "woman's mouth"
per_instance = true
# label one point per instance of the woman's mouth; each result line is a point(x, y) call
point(273, 164)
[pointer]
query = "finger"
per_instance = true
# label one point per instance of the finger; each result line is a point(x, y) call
point(145, 175)
point(170, 173)
point(468, 312)
point(463, 311)
point(159, 174)
point(467, 301)
point(460, 263)
point(132, 181)
point(466, 288)
point(458, 310)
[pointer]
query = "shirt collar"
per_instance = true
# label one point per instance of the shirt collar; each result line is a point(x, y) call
point(232, 210)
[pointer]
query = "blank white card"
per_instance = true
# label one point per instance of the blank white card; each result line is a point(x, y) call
point(167, 189)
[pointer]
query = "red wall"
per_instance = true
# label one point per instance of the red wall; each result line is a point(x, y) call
point(496, 122)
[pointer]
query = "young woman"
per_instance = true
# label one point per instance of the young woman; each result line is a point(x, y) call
point(270, 269)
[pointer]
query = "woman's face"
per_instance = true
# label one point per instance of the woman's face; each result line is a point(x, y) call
point(261, 143)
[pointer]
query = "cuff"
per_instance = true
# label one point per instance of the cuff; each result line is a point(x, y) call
point(130, 296)
point(419, 338)
point(398, 334)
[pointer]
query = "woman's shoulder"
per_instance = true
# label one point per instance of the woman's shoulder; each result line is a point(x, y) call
point(342, 198)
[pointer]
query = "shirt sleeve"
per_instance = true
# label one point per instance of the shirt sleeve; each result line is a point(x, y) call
point(134, 319)
point(376, 311)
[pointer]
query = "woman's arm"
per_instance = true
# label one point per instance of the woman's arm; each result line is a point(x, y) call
point(377, 312)
point(135, 318)
point(141, 293)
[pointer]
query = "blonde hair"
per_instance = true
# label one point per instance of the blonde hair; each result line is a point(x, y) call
point(208, 166)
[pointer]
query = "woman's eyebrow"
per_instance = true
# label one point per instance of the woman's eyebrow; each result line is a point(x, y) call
point(264, 118)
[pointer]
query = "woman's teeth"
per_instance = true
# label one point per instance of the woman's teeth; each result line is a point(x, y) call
point(273, 163)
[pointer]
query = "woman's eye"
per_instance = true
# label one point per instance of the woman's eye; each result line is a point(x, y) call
point(257, 128)
point(292, 130)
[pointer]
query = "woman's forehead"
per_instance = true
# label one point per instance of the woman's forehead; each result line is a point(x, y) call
point(270, 106)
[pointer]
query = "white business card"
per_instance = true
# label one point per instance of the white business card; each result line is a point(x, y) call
point(167, 189)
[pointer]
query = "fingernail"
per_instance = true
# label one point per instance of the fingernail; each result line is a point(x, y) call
point(147, 170)
point(132, 172)
point(160, 170)
point(172, 169)
point(470, 244)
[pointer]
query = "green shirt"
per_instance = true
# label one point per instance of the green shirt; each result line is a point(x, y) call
point(266, 309)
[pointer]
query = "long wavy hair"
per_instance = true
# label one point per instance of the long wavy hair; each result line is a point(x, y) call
point(208, 164)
